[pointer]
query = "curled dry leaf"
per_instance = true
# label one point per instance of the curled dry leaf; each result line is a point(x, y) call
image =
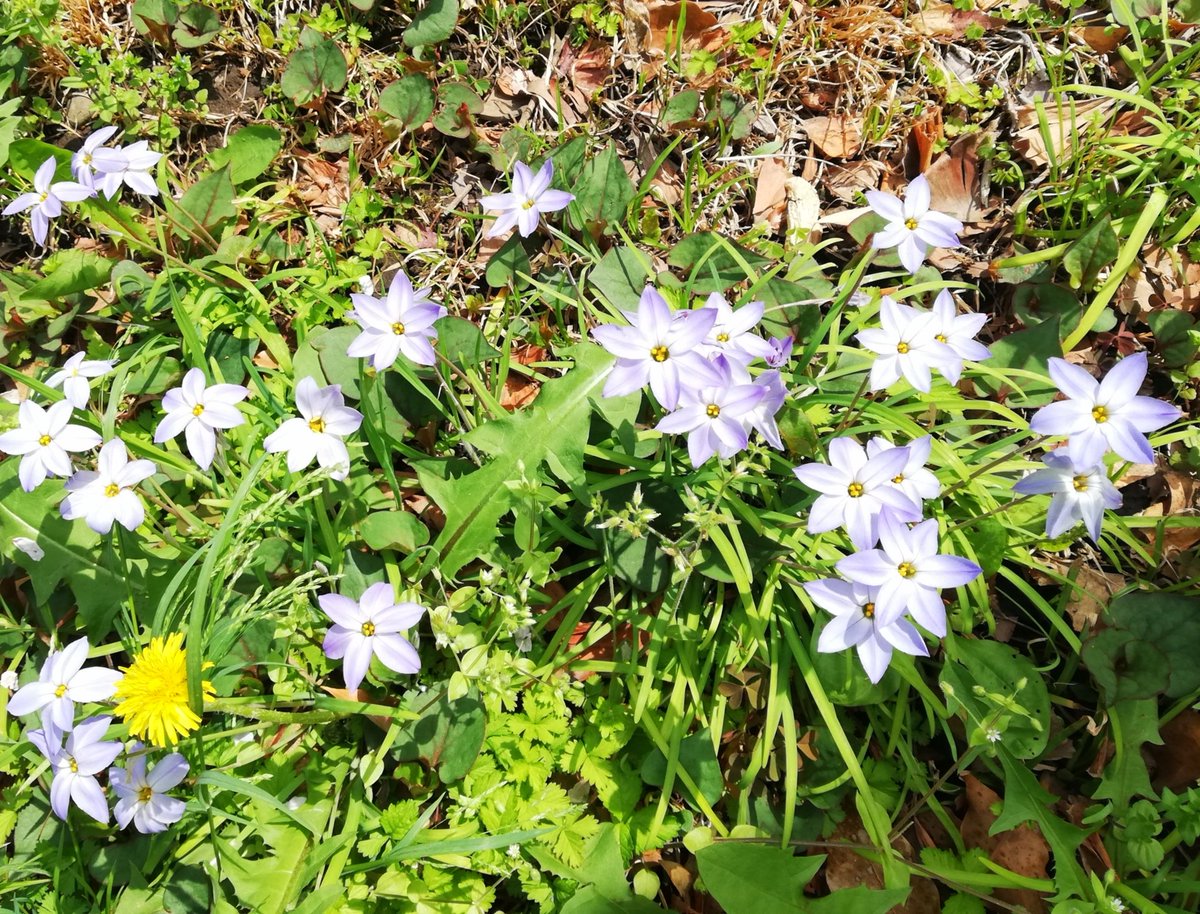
point(838, 136)
point(845, 869)
point(922, 142)
point(1022, 849)
point(954, 181)
point(700, 31)
point(847, 181)
point(1178, 758)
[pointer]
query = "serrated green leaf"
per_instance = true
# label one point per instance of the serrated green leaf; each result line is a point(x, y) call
point(733, 874)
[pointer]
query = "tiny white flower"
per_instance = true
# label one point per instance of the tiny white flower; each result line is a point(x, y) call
point(523, 636)
point(45, 440)
point(141, 796)
point(73, 377)
point(366, 285)
point(199, 411)
point(29, 547)
point(531, 196)
point(9, 680)
point(46, 199)
point(993, 735)
point(294, 803)
point(325, 421)
point(129, 165)
point(106, 494)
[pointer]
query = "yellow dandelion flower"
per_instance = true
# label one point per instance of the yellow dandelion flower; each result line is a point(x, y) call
point(153, 694)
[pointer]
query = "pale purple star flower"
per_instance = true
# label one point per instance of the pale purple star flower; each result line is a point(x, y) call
point(531, 196)
point(857, 490)
point(106, 494)
point(325, 420)
point(732, 334)
point(659, 348)
point(1077, 495)
point(45, 441)
point(46, 199)
point(130, 165)
point(781, 351)
point(61, 683)
point(958, 331)
point(370, 627)
point(76, 765)
point(74, 377)
point(714, 418)
point(856, 624)
point(141, 795)
point(1104, 414)
point(761, 417)
point(82, 166)
point(401, 322)
point(905, 345)
point(918, 483)
point(199, 411)
point(912, 227)
point(909, 572)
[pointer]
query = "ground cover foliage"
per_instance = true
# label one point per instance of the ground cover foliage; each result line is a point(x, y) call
point(600, 671)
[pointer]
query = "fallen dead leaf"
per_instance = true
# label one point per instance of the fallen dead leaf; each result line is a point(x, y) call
point(942, 20)
point(954, 181)
point(847, 181)
point(700, 30)
point(838, 136)
point(1103, 39)
point(922, 140)
point(1022, 849)
point(770, 193)
point(1178, 758)
point(845, 868)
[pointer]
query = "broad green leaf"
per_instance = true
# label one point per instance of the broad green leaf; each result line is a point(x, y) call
point(683, 106)
point(620, 277)
point(197, 25)
point(793, 307)
point(154, 17)
point(248, 152)
point(712, 263)
point(313, 71)
point(398, 530)
point(1029, 350)
point(72, 552)
point(1173, 336)
point(553, 430)
point(698, 758)
point(989, 540)
point(154, 376)
point(1135, 722)
point(409, 100)
point(189, 891)
point(589, 900)
point(859, 900)
point(459, 105)
point(208, 202)
point(1095, 249)
point(463, 343)
point(603, 192)
point(72, 271)
point(735, 875)
point(506, 266)
point(330, 345)
point(1148, 647)
point(1005, 676)
point(446, 736)
point(434, 22)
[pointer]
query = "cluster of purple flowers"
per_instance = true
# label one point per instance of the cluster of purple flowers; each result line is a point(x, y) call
point(696, 364)
point(85, 754)
point(1095, 417)
point(98, 169)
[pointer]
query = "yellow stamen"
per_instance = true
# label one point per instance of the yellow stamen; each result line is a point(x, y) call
point(902, 347)
point(906, 569)
point(898, 478)
point(60, 691)
point(398, 328)
point(317, 424)
point(941, 337)
point(197, 409)
point(528, 204)
point(145, 794)
point(1100, 414)
point(44, 440)
point(112, 490)
point(368, 629)
point(911, 224)
point(713, 410)
point(722, 337)
point(869, 610)
point(1080, 482)
point(660, 353)
point(74, 765)
point(855, 490)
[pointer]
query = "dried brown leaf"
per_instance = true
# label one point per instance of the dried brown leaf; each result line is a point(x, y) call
point(1022, 849)
point(943, 20)
point(770, 192)
point(837, 136)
